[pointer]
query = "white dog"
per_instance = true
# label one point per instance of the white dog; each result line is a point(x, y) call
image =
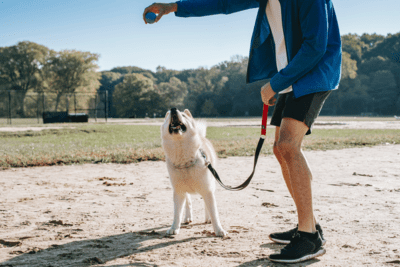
point(186, 151)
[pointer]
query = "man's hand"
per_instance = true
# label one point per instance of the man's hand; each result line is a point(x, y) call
point(160, 9)
point(267, 95)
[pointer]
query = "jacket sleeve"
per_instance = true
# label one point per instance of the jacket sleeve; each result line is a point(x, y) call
point(199, 8)
point(314, 25)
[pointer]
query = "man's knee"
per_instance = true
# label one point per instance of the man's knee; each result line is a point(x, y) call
point(286, 149)
point(275, 150)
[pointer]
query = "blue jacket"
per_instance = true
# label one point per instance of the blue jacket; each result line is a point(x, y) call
point(312, 38)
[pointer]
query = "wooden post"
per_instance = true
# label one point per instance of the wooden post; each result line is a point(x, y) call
point(75, 102)
point(95, 108)
point(9, 105)
point(43, 110)
point(106, 105)
point(37, 108)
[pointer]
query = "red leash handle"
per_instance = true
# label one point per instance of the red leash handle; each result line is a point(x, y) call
point(264, 121)
point(258, 150)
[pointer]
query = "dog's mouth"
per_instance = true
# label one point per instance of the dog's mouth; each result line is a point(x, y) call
point(176, 128)
point(176, 125)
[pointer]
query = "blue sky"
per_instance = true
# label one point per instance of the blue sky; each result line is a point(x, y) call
point(116, 31)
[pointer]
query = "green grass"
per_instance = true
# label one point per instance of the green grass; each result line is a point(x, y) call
point(243, 141)
point(84, 144)
point(104, 143)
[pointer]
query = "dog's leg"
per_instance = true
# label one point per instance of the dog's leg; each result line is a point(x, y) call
point(179, 201)
point(211, 204)
point(207, 214)
point(188, 213)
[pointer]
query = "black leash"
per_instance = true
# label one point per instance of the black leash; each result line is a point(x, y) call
point(259, 146)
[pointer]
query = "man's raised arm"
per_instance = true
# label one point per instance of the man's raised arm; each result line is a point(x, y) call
point(200, 8)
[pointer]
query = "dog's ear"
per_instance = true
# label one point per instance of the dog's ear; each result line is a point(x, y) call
point(166, 114)
point(187, 112)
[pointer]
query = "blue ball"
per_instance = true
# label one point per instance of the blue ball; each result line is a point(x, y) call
point(150, 17)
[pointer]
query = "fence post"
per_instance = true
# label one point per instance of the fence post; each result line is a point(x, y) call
point(9, 106)
point(75, 102)
point(43, 110)
point(37, 107)
point(67, 107)
point(106, 105)
point(95, 108)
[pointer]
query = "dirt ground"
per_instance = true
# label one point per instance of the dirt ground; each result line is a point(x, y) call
point(117, 215)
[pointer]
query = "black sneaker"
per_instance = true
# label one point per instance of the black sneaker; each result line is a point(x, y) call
point(321, 233)
point(303, 246)
point(284, 237)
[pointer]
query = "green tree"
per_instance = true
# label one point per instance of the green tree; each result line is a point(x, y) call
point(132, 95)
point(164, 75)
point(382, 87)
point(352, 44)
point(108, 82)
point(173, 93)
point(20, 70)
point(349, 66)
point(72, 71)
point(207, 82)
point(371, 40)
point(208, 109)
point(133, 69)
point(378, 68)
point(388, 48)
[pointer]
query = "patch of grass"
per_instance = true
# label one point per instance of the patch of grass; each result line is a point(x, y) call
point(85, 144)
point(107, 143)
point(243, 141)
point(328, 139)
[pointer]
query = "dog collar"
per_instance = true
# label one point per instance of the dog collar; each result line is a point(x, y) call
point(186, 165)
point(192, 162)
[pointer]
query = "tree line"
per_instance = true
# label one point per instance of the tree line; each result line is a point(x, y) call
point(370, 82)
point(28, 70)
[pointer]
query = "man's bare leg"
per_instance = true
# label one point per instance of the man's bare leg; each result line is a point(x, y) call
point(296, 171)
point(282, 162)
point(284, 168)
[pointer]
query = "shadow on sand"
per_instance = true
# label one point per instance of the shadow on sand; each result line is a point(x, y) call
point(98, 251)
point(90, 252)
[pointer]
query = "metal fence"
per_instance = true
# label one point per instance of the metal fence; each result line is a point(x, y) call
point(17, 105)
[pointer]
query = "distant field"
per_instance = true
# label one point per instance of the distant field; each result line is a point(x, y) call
point(36, 122)
point(119, 143)
point(354, 118)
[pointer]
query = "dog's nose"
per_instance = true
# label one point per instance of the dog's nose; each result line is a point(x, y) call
point(174, 113)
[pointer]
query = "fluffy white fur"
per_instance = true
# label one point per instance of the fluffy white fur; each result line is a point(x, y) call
point(182, 149)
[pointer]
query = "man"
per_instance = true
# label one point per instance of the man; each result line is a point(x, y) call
point(297, 44)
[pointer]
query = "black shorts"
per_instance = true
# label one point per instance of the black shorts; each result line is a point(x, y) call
point(305, 108)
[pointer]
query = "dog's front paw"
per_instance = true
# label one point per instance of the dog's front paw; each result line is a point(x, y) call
point(173, 231)
point(188, 219)
point(221, 233)
point(208, 220)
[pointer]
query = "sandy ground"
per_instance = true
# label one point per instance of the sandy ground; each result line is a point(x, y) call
point(117, 215)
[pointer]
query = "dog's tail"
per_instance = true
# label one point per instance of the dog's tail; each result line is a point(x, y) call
point(202, 127)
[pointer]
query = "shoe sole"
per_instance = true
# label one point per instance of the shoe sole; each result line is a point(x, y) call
point(320, 252)
point(286, 242)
